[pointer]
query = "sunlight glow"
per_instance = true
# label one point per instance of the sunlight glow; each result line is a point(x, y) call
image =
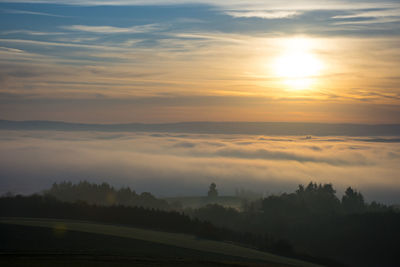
point(297, 66)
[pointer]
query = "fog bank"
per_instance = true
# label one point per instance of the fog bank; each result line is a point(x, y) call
point(172, 164)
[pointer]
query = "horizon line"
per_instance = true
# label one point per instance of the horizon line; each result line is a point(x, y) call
point(186, 122)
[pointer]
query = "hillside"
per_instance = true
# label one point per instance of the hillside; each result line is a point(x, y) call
point(161, 242)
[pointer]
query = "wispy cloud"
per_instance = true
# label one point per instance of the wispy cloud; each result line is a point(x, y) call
point(369, 21)
point(29, 32)
point(114, 30)
point(367, 17)
point(263, 14)
point(11, 50)
point(370, 14)
point(253, 4)
point(77, 39)
point(44, 43)
point(27, 12)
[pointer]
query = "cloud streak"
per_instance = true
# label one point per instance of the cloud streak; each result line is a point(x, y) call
point(27, 12)
point(263, 14)
point(35, 33)
point(262, 4)
point(113, 30)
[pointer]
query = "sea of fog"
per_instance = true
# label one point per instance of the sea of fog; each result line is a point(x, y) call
point(170, 164)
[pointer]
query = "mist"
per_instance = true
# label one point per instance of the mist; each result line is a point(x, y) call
point(185, 164)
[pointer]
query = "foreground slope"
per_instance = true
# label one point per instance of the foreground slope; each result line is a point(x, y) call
point(225, 250)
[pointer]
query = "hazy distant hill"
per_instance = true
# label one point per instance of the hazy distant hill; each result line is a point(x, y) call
point(197, 202)
point(261, 128)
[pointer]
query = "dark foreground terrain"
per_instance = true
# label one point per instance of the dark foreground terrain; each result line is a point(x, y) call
point(22, 245)
point(311, 224)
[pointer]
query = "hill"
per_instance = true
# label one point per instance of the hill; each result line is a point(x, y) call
point(158, 245)
point(197, 202)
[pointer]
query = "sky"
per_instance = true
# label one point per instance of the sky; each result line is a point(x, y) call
point(98, 61)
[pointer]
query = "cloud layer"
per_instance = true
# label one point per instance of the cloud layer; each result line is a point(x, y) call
point(184, 164)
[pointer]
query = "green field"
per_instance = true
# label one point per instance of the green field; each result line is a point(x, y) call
point(154, 245)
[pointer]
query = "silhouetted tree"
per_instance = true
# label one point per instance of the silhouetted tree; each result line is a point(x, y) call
point(213, 192)
point(313, 219)
point(353, 201)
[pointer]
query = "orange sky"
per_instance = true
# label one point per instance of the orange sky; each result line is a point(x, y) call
point(337, 62)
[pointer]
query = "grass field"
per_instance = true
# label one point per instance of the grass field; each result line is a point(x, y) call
point(155, 243)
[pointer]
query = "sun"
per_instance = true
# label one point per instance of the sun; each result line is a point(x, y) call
point(297, 67)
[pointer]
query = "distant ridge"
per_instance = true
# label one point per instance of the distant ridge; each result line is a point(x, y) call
point(258, 128)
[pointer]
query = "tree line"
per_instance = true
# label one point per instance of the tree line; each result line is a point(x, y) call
point(47, 206)
point(312, 220)
point(317, 222)
point(105, 195)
